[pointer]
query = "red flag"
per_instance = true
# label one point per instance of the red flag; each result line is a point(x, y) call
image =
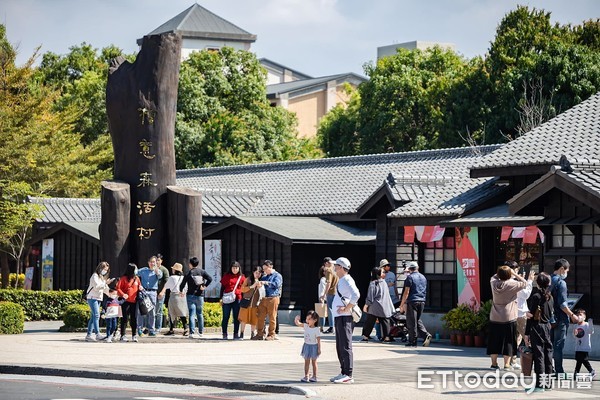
point(530, 235)
point(506, 231)
point(409, 234)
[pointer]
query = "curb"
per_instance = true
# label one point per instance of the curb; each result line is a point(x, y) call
point(243, 386)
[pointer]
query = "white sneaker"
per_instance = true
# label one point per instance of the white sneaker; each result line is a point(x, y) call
point(100, 337)
point(516, 365)
point(193, 336)
point(344, 379)
point(124, 339)
point(134, 338)
point(109, 339)
point(90, 338)
point(335, 378)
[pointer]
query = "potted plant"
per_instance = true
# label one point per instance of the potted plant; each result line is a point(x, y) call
point(460, 321)
point(449, 321)
point(482, 318)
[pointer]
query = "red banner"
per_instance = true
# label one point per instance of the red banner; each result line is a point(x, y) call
point(530, 235)
point(409, 234)
point(506, 231)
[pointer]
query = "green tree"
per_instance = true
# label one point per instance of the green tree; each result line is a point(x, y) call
point(337, 134)
point(530, 55)
point(38, 144)
point(16, 218)
point(403, 103)
point(224, 118)
point(81, 77)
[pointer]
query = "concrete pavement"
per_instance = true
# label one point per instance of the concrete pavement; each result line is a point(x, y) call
point(380, 369)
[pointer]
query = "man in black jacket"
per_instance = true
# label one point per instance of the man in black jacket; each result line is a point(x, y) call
point(197, 279)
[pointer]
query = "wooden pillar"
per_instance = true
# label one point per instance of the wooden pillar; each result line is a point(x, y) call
point(141, 104)
point(115, 201)
point(184, 224)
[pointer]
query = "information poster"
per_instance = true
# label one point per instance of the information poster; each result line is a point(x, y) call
point(467, 263)
point(212, 265)
point(47, 264)
point(28, 278)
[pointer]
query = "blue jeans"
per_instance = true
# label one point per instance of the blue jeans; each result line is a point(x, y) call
point(227, 309)
point(158, 314)
point(195, 307)
point(94, 322)
point(330, 298)
point(559, 335)
point(111, 325)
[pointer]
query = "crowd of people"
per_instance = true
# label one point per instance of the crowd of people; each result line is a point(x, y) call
point(522, 316)
point(536, 318)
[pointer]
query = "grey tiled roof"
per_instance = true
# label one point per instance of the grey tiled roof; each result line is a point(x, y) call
point(584, 173)
point(310, 229)
point(338, 186)
point(574, 133)
point(494, 216)
point(197, 21)
point(279, 88)
point(265, 62)
point(66, 209)
point(451, 199)
point(215, 203)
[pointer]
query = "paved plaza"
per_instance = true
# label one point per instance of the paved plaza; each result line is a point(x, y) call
point(380, 370)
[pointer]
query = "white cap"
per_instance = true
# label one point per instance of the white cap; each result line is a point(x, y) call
point(412, 265)
point(343, 262)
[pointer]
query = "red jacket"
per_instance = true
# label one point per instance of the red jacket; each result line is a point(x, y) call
point(129, 287)
point(228, 283)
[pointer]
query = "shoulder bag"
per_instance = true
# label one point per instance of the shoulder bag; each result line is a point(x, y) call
point(229, 297)
point(356, 311)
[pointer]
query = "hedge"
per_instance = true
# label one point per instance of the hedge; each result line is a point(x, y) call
point(76, 316)
point(39, 305)
point(12, 318)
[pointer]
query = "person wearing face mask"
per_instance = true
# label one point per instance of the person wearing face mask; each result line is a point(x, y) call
point(562, 312)
point(128, 287)
point(97, 287)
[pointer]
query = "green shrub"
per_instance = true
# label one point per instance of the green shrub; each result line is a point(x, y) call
point(213, 314)
point(12, 318)
point(39, 305)
point(76, 316)
point(11, 280)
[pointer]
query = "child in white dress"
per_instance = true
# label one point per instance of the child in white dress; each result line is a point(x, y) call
point(312, 344)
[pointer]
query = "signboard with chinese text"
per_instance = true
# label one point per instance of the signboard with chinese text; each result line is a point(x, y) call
point(212, 265)
point(467, 263)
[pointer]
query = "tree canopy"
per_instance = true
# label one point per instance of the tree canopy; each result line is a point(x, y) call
point(434, 98)
point(224, 117)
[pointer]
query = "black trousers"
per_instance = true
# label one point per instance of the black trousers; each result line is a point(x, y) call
point(343, 343)
point(541, 345)
point(582, 357)
point(415, 326)
point(129, 313)
point(370, 323)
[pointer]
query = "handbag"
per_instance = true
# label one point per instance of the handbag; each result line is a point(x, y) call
point(321, 309)
point(144, 303)
point(356, 311)
point(245, 303)
point(230, 297)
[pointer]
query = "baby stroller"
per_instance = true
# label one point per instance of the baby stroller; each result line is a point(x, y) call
point(398, 327)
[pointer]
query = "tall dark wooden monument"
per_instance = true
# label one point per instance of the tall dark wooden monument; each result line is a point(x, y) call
point(143, 212)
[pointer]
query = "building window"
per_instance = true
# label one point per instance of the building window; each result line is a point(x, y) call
point(590, 236)
point(440, 257)
point(562, 236)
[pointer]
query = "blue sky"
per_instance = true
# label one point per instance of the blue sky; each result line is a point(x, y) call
point(317, 37)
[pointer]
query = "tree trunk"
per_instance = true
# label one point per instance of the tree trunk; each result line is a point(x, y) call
point(141, 104)
point(115, 201)
point(185, 224)
point(5, 269)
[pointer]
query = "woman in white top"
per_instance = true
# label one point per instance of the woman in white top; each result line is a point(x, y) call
point(95, 294)
point(522, 297)
point(177, 301)
point(322, 294)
